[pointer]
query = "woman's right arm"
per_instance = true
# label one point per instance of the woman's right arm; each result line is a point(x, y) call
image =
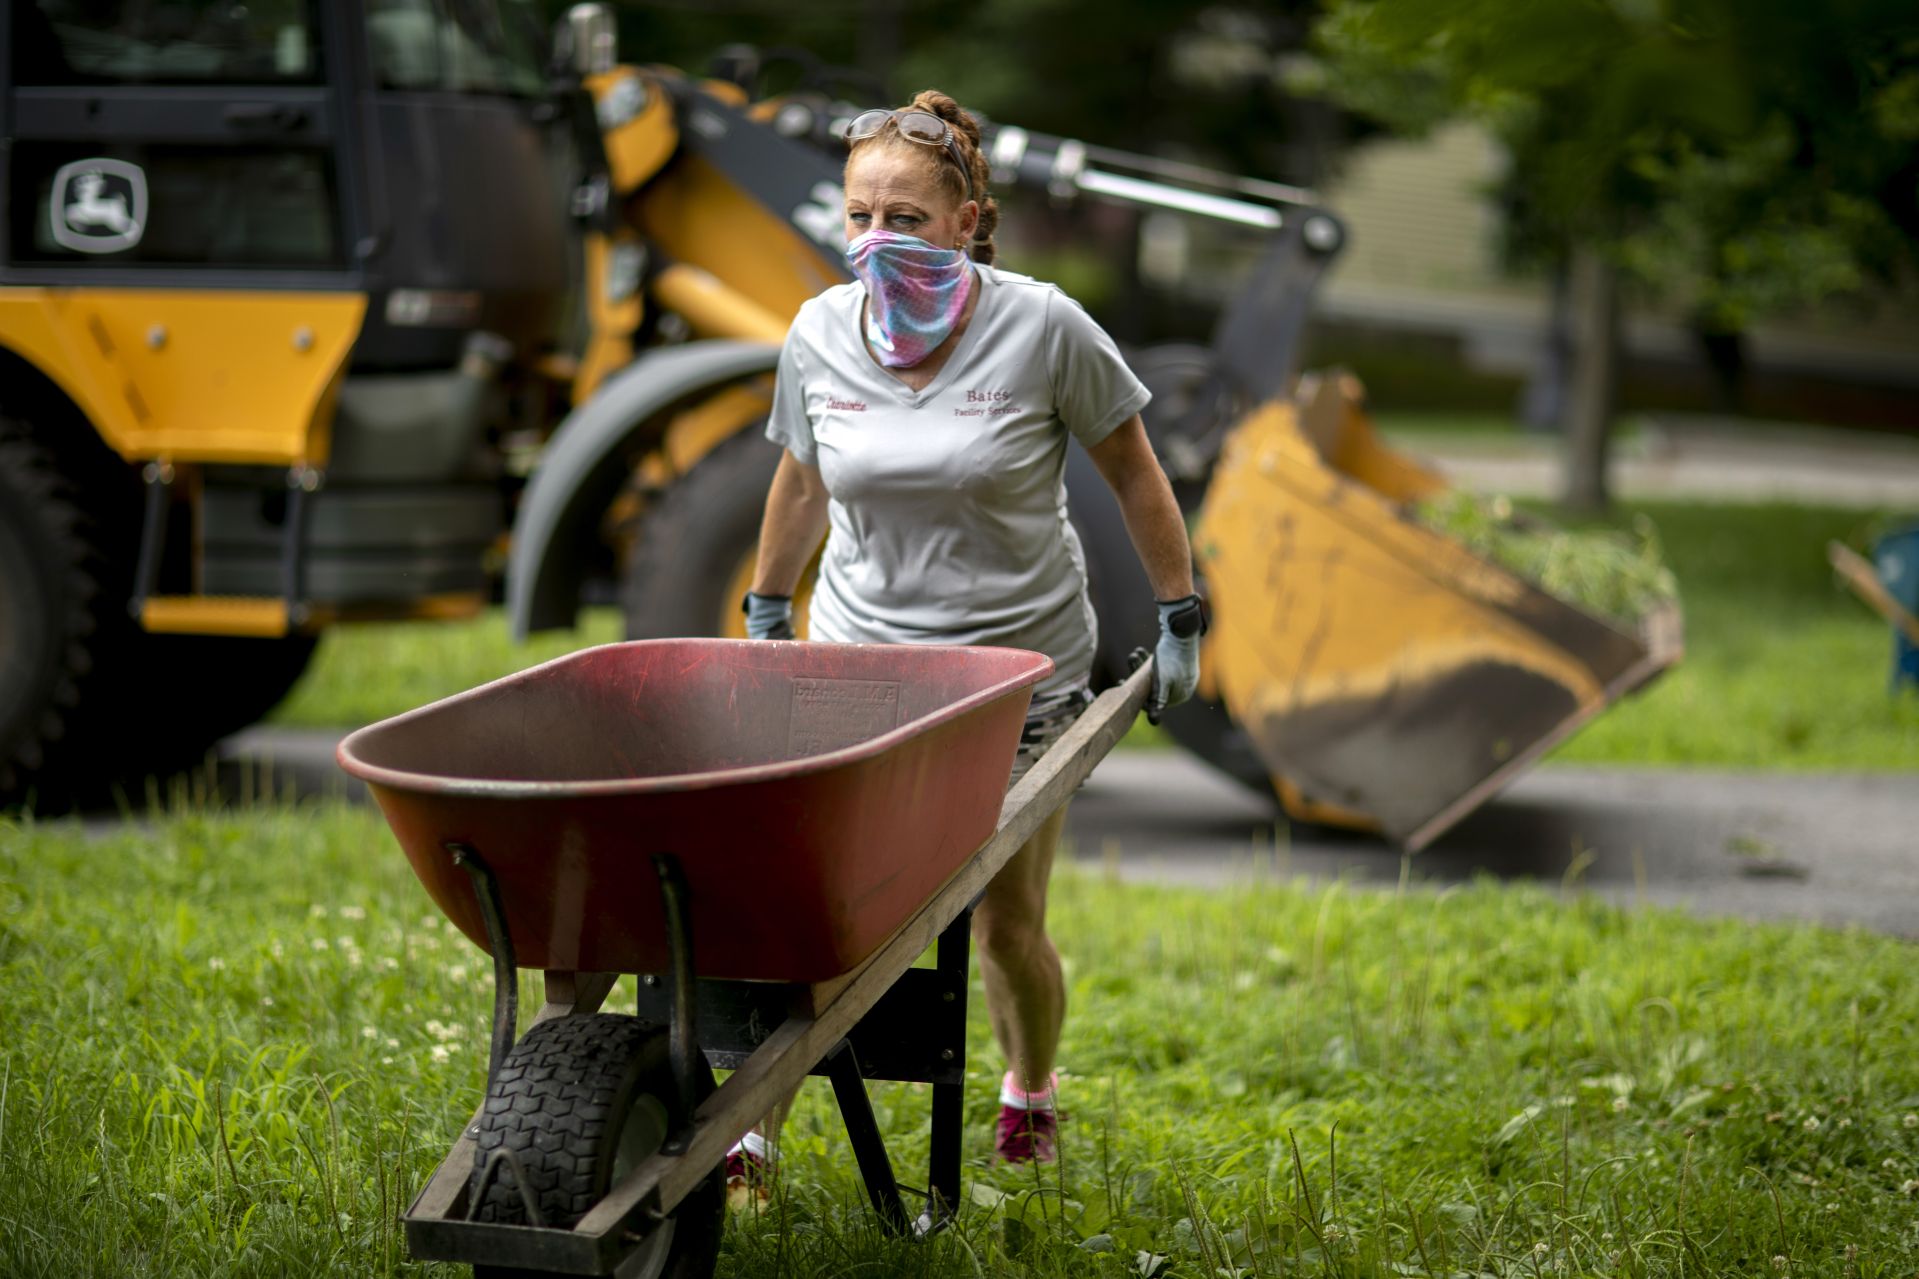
point(792, 528)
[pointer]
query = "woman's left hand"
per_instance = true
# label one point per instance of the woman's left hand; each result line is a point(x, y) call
point(1176, 658)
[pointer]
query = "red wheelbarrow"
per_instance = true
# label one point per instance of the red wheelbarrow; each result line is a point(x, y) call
point(769, 835)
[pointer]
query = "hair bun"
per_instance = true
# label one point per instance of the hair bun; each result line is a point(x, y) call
point(948, 110)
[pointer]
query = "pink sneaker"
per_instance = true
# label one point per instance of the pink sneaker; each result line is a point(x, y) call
point(749, 1176)
point(1027, 1136)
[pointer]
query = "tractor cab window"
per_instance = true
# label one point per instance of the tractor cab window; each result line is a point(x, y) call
point(168, 134)
point(459, 46)
point(260, 42)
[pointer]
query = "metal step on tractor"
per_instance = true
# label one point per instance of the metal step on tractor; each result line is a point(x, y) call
point(322, 311)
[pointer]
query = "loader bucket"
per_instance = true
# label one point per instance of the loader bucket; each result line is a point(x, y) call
point(1388, 678)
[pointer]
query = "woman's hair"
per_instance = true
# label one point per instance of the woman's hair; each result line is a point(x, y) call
point(966, 135)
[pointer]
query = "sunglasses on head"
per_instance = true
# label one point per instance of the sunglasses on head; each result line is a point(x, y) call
point(922, 127)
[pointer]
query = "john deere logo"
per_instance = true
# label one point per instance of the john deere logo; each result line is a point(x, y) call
point(98, 206)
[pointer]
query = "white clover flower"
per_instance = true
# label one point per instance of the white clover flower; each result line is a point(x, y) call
point(1811, 1124)
point(369, 1032)
point(392, 1043)
point(386, 1061)
point(1889, 1164)
point(1540, 1249)
point(1780, 1263)
point(1909, 1187)
point(1845, 1121)
point(317, 911)
point(215, 964)
point(442, 1053)
point(457, 973)
point(1621, 1104)
point(389, 963)
point(352, 912)
point(319, 943)
point(345, 941)
point(1911, 1121)
point(266, 1001)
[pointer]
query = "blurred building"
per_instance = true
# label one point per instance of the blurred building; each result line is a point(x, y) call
point(1422, 273)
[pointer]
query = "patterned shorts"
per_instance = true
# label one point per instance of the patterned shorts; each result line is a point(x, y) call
point(1046, 723)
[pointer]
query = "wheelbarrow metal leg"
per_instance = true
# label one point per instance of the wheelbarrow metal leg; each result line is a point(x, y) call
point(683, 1047)
point(863, 1134)
point(506, 977)
point(953, 962)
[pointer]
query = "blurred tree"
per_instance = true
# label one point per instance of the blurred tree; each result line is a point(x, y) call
point(1736, 157)
point(1206, 81)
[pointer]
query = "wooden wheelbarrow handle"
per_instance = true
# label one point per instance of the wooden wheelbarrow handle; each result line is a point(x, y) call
point(1859, 575)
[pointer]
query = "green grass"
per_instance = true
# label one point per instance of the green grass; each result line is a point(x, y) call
point(1783, 668)
point(368, 671)
point(235, 1045)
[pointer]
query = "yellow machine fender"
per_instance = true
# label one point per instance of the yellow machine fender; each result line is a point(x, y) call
point(585, 462)
point(192, 375)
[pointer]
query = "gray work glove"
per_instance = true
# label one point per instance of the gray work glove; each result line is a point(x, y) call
point(768, 616)
point(1176, 659)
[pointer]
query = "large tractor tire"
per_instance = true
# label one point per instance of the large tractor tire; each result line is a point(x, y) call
point(226, 682)
point(53, 624)
point(581, 1101)
point(692, 560)
point(88, 701)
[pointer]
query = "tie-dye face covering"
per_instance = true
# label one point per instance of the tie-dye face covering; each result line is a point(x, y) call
point(915, 294)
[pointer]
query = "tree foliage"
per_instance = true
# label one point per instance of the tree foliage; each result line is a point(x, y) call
point(1205, 81)
point(1741, 157)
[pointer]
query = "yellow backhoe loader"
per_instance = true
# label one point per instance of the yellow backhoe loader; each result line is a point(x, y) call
point(314, 311)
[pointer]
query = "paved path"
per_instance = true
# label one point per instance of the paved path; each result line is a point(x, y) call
point(1697, 458)
point(1836, 848)
point(1832, 847)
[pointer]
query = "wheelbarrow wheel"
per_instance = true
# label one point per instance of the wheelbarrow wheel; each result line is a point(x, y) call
point(579, 1102)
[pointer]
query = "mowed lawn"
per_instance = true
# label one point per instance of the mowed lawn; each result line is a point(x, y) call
point(1783, 669)
point(235, 1044)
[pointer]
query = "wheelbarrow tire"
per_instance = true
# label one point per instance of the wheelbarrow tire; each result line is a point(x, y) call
point(691, 541)
point(579, 1100)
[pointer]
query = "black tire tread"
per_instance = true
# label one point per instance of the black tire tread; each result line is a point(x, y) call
point(117, 704)
point(561, 1092)
point(551, 1107)
point(30, 477)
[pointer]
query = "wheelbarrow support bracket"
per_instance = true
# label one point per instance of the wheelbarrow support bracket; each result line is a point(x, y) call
point(506, 978)
point(842, 1066)
point(682, 1045)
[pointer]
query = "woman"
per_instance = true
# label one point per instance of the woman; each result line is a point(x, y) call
point(925, 410)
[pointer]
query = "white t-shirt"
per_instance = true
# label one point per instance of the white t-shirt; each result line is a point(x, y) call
point(948, 516)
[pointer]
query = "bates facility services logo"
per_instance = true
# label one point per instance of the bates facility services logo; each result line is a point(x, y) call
point(98, 206)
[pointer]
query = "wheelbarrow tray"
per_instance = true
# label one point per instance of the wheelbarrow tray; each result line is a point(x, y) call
point(815, 794)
